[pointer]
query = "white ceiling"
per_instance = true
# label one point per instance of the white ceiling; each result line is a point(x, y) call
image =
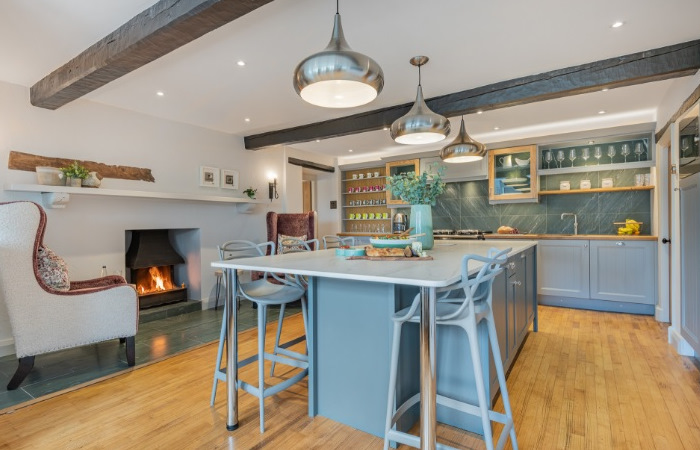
point(469, 43)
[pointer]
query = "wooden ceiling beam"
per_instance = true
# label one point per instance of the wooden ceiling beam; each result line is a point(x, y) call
point(652, 65)
point(160, 29)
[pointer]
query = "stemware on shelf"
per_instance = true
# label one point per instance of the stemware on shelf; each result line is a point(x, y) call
point(597, 153)
point(638, 150)
point(625, 151)
point(560, 157)
point(685, 146)
point(585, 154)
point(611, 152)
point(548, 158)
point(572, 156)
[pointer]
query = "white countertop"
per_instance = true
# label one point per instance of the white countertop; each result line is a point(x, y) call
point(443, 270)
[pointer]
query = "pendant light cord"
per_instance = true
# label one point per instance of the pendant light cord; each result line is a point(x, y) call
point(337, 6)
point(419, 73)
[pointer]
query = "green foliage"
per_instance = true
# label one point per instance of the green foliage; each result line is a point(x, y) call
point(417, 190)
point(250, 192)
point(75, 170)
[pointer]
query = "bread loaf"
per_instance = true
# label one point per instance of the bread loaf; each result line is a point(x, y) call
point(372, 251)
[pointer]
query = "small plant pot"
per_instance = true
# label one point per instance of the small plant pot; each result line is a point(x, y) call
point(74, 182)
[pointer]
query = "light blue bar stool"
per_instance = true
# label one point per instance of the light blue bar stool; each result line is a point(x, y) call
point(264, 293)
point(466, 310)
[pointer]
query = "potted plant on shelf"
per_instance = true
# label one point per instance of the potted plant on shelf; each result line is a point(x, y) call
point(75, 174)
point(419, 191)
point(250, 192)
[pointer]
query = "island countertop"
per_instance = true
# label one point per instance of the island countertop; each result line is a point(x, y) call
point(443, 270)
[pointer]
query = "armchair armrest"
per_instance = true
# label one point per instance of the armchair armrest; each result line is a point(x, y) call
point(111, 280)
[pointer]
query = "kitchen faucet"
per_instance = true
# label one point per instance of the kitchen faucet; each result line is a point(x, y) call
point(575, 220)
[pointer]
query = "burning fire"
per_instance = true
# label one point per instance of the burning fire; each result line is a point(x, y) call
point(154, 279)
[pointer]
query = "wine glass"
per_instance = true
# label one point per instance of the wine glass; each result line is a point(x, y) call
point(560, 157)
point(611, 152)
point(548, 158)
point(625, 151)
point(572, 156)
point(585, 154)
point(638, 150)
point(597, 153)
point(685, 146)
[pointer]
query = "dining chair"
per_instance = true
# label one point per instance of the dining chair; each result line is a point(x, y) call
point(264, 293)
point(464, 304)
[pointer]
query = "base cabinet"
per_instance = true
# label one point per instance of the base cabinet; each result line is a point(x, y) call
point(604, 275)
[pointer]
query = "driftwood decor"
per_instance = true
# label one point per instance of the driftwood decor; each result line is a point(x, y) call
point(29, 162)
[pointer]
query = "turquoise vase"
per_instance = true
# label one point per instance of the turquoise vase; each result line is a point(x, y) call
point(422, 222)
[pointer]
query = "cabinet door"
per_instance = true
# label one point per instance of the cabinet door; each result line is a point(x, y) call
point(624, 271)
point(499, 306)
point(690, 260)
point(477, 170)
point(513, 174)
point(563, 268)
point(530, 284)
point(398, 167)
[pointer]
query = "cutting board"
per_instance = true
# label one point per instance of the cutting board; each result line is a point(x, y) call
point(391, 258)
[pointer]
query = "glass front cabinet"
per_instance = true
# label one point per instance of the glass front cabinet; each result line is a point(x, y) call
point(398, 167)
point(513, 174)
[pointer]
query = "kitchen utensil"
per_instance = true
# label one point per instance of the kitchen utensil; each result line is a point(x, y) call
point(399, 223)
point(405, 233)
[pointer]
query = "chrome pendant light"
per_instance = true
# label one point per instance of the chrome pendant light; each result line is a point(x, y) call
point(338, 77)
point(463, 149)
point(420, 125)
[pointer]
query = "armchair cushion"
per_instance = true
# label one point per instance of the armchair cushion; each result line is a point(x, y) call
point(282, 248)
point(53, 270)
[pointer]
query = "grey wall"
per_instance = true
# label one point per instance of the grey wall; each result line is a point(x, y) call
point(466, 205)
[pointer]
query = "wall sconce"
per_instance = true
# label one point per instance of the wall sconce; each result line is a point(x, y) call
point(273, 186)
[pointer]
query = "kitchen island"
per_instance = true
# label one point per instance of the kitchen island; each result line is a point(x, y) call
point(350, 308)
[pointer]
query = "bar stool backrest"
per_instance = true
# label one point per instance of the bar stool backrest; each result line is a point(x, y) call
point(333, 241)
point(238, 249)
point(478, 288)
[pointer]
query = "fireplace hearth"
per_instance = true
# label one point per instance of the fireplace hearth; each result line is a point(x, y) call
point(151, 261)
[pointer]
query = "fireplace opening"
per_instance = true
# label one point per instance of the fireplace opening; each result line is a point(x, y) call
point(151, 260)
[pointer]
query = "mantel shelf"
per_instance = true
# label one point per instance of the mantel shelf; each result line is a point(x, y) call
point(595, 190)
point(128, 193)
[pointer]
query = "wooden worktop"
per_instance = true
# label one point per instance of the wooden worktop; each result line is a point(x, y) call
point(595, 237)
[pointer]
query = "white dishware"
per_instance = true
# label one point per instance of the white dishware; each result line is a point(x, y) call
point(506, 161)
point(585, 184)
point(564, 185)
point(607, 182)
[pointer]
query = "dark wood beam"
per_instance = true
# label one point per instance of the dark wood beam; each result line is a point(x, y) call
point(160, 29)
point(652, 65)
point(310, 165)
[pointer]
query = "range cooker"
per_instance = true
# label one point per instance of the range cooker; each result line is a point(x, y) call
point(460, 234)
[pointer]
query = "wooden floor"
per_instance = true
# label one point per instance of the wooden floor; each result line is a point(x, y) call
point(587, 380)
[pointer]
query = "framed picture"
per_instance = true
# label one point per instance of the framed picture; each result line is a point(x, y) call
point(229, 179)
point(208, 176)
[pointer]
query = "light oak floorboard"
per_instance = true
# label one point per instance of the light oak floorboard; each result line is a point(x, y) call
point(586, 380)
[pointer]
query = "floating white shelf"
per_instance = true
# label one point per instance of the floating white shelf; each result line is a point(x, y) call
point(126, 193)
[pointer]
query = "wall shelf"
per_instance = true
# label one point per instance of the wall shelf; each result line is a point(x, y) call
point(596, 190)
point(40, 188)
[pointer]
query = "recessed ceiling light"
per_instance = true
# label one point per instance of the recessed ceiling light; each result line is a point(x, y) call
point(241, 63)
point(591, 142)
point(605, 89)
point(480, 112)
point(385, 128)
point(318, 140)
point(247, 119)
point(496, 128)
point(617, 24)
point(350, 150)
point(160, 93)
point(602, 111)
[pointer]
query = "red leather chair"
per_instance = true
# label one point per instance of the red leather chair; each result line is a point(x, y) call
point(291, 224)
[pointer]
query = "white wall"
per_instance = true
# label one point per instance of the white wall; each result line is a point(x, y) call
point(679, 91)
point(89, 233)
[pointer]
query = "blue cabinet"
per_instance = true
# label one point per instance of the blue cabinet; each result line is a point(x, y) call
point(624, 271)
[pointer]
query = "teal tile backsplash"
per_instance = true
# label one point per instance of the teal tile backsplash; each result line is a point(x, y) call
point(466, 205)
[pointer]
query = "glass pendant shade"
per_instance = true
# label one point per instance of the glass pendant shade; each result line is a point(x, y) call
point(463, 149)
point(338, 77)
point(420, 125)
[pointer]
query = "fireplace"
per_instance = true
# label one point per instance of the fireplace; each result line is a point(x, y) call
point(151, 261)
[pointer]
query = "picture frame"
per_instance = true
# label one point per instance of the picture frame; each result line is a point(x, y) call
point(229, 179)
point(208, 176)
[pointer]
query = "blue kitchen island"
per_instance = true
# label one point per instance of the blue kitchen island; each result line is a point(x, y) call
point(350, 328)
